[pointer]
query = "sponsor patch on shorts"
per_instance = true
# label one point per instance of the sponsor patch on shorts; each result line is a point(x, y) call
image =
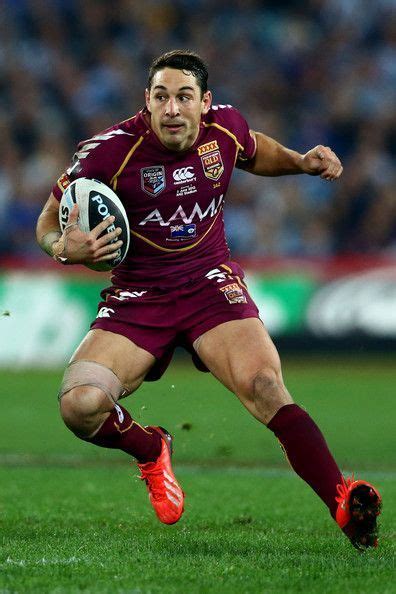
point(233, 293)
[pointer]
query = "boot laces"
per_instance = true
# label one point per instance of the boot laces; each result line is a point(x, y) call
point(343, 488)
point(154, 478)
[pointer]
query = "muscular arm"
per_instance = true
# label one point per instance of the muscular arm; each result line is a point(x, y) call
point(48, 230)
point(272, 159)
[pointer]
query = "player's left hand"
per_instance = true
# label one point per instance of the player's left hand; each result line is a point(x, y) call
point(321, 160)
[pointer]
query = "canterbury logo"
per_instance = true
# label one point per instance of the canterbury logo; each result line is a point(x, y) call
point(119, 413)
point(105, 312)
point(124, 295)
point(183, 174)
point(218, 275)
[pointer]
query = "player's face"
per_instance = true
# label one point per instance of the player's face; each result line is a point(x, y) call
point(176, 105)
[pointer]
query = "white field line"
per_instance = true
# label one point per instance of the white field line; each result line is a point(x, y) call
point(75, 461)
point(43, 561)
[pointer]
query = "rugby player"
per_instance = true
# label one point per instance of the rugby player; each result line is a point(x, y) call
point(171, 165)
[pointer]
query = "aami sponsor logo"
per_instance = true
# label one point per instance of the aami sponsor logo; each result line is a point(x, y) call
point(155, 215)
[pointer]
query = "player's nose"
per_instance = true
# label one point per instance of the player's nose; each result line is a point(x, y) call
point(172, 108)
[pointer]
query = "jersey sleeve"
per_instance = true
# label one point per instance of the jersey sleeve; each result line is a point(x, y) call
point(234, 121)
point(95, 158)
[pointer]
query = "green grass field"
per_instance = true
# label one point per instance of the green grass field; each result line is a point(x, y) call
point(75, 518)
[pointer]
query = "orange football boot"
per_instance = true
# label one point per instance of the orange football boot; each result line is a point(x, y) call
point(165, 493)
point(359, 505)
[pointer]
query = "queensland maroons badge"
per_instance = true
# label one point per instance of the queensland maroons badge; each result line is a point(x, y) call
point(211, 160)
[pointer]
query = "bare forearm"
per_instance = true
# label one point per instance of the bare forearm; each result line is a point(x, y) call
point(274, 159)
point(48, 229)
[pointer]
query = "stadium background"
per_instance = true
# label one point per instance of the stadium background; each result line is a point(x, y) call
point(320, 260)
point(322, 71)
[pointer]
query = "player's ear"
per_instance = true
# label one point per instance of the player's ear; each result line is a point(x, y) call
point(206, 102)
point(147, 99)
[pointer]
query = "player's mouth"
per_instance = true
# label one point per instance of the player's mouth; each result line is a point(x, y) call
point(173, 128)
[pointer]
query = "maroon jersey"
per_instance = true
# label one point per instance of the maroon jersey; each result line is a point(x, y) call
point(174, 200)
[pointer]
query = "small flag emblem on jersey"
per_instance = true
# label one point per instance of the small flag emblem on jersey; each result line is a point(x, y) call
point(180, 232)
point(212, 164)
point(153, 179)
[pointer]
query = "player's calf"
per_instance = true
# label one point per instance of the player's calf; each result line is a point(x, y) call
point(88, 412)
point(92, 417)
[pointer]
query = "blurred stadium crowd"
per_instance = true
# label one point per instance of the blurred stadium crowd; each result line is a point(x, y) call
point(320, 71)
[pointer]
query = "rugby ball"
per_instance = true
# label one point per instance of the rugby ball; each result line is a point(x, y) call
point(96, 203)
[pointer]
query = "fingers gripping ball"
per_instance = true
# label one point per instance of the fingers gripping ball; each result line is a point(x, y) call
point(96, 202)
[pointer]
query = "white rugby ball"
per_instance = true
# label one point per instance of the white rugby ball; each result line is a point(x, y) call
point(96, 203)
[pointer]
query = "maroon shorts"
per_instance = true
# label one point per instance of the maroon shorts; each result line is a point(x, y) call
point(159, 320)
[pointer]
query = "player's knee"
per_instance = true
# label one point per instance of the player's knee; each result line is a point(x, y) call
point(80, 409)
point(267, 390)
point(266, 383)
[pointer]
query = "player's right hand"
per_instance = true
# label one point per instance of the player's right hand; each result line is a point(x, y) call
point(89, 248)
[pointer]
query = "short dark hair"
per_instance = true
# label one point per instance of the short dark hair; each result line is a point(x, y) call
point(181, 60)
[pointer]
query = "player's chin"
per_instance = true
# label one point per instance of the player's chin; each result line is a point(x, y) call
point(174, 135)
point(174, 141)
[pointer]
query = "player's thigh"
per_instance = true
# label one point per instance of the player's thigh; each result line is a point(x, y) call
point(236, 351)
point(128, 361)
